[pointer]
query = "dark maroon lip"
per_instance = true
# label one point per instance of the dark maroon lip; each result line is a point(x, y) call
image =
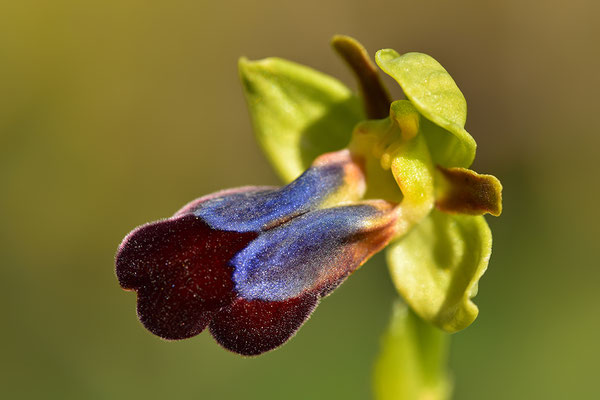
point(179, 269)
point(252, 263)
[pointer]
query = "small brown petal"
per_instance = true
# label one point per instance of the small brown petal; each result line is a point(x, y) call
point(463, 191)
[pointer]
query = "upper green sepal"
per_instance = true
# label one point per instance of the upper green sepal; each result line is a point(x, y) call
point(437, 266)
point(298, 113)
point(435, 95)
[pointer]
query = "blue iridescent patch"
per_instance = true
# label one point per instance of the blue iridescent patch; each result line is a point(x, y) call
point(256, 211)
point(305, 254)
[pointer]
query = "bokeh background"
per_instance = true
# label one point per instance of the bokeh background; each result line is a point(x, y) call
point(114, 113)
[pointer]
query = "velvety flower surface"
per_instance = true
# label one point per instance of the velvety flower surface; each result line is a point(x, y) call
point(252, 263)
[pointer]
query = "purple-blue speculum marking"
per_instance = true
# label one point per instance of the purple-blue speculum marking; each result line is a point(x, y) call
point(256, 210)
point(301, 254)
point(252, 263)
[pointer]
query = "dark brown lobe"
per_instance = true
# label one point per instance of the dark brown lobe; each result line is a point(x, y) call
point(179, 268)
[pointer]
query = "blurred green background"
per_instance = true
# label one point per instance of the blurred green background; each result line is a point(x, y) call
point(114, 113)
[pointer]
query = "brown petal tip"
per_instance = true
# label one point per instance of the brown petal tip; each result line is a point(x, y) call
point(463, 191)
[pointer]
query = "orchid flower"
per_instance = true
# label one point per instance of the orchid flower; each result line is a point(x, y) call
point(251, 264)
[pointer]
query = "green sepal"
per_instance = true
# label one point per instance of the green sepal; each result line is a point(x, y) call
point(435, 95)
point(297, 113)
point(412, 361)
point(436, 267)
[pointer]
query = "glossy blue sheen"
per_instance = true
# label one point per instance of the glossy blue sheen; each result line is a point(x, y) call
point(256, 211)
point(299, 255)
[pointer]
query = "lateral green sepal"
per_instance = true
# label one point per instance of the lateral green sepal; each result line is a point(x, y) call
point(436, 267)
